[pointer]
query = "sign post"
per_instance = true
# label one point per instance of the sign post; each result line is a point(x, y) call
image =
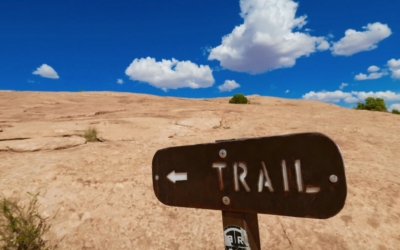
point(298, 175)
point(240, 231)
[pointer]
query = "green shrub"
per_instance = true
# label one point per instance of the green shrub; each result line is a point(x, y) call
point(91, 134)
point(238, 99)
point(395, 111)
point(373, 104)
point(22, 227)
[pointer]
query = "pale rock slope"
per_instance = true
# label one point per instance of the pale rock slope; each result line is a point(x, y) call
point(103, 191)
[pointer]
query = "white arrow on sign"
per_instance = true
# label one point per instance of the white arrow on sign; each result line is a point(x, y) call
point(174, 177)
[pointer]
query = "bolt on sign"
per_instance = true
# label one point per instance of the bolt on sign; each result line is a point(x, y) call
point(299, 175)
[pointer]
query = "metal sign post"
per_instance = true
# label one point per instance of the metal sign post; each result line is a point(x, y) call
point(298, 175)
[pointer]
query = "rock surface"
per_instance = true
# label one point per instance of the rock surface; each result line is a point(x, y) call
point(103, 191)
point(39, 144)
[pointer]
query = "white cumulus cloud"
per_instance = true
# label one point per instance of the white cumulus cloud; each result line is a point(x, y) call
point(357, 41)
point(374, 73)
point(373, 68)
point(371, 76)
point(394, 106)
point(120, 81)
point(394, 67)
point(343, 85)
point(228, 85)
point(350, 97)
point(266, 40)
point(46, 71)
point(170, 74)
point(386, 95)
point(326, 96)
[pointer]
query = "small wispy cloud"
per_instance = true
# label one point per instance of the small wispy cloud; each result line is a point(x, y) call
point(373, 68)
point(287, 91)
point(343, 85)
point(374, 73)
point(46, 71)
point(31, 81)
point(371, 76)
point(120, 81)
point(228, 85)
point(206, 50)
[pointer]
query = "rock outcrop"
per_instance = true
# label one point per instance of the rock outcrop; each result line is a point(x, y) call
point(102, 192)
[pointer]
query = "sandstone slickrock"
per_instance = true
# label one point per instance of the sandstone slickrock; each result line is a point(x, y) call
point(103, 190)
point(37, 144)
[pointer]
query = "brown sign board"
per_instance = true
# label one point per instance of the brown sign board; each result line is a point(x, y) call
point(299, 175)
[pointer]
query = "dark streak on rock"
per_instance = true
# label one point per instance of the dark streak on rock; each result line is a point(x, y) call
point(107, 112)
point(14, 139)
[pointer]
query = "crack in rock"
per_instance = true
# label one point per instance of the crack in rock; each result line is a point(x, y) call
point(14, 139)
point(108, 112)
point(286, 235)
point(41, 144)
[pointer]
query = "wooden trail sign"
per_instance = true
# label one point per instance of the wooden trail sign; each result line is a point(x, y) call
point(299, 175)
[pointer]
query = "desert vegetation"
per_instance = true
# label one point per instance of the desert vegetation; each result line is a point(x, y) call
point(395, 111)
point(91, 134)
point(239, 99)
point(22, 227)
point(373, 104)
point(104, 191)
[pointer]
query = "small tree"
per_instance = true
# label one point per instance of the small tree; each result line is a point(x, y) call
point(395, 111)
point(239, 99)
point(373, 104)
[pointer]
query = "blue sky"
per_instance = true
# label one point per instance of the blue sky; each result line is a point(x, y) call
point(334, 50)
